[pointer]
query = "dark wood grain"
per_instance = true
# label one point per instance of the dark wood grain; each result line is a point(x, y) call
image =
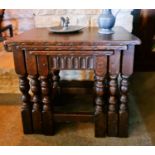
point(56, 88)
point(100, 111)
point(20, 68)
point(19, 61)
point(42, 65)
point(26, 109)
point(89, 36)
point(126, 71)
point(40, 55)
point(31, 65)
point(114, 69)
point(47, 112)
point(36, 99)
point(82, 117)
point(67, 48)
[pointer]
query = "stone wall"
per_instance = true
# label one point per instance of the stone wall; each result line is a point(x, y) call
point(25, 19)
point(21, 19)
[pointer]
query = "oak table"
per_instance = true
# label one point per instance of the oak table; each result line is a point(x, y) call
point(40, 55)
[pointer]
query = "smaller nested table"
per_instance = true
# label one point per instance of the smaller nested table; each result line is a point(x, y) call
point(40, 55)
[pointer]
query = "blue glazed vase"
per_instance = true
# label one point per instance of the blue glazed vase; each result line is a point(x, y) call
point(106, 21)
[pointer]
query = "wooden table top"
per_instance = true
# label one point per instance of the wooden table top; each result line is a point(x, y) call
point(88, 36)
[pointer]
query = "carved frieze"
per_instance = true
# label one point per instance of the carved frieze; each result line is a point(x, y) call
point(71, 62)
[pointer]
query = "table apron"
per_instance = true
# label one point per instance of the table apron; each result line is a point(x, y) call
point(73, 53)
point(74, 48)
point(67, 60)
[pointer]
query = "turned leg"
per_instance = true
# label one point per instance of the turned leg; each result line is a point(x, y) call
point(56, 78)
point(126, 72)
point(47, 117)
point(114, 70)
point(56, 88)
point(100, 111)
point(123, 108)
point(26, 104)
point(112, 108)
point(106, 89)
point(100, 116)
point(36, 110)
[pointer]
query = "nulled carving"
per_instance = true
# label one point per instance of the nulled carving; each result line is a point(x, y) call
point(54, 62)
point(83, 63)
point(76, 63)
point(63, 62)
point(71, 62)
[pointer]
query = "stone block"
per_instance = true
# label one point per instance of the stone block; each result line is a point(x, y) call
point(25, 19)
point(82, 20)
point(18, 13)
point(25, 24)
point(54, 20)
point(47, 21)
point(93, 20)
point(83, 11)
point(44, 12)
point(125, 20)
